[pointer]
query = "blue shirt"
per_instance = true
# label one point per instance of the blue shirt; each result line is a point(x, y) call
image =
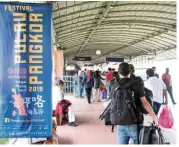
point(88, 84)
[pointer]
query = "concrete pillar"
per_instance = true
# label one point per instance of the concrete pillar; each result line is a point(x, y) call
point(58, 63)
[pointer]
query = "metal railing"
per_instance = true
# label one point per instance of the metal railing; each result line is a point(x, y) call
point(72, 85)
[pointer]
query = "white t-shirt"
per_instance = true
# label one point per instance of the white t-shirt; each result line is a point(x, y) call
point(157, 86)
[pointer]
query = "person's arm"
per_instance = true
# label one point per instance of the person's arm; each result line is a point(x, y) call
point(84, 80)
point(165, 93)
point(170, 81)
point(166, 96)
point(163, 78)
point(92, 82)
point(102, 78)
point(106, 79)
point(140, 88)
point(149, 109)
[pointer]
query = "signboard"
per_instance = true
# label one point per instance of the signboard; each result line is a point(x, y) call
point(88, 65)
point(111, 59)
point(82, 58)
point(26, 69)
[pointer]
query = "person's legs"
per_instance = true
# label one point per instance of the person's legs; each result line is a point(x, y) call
point(71, 117)
point(122, 135)
point(156, 107)
point(170, 91)
point(98, 94)
point(133, 133)
point(76, 90)
point(95, 94)
point(58, 120)
point(88, 94)
point(109, 89)
point(92, 93)
point(81, 90)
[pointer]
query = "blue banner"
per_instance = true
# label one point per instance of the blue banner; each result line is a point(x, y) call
point(26, 70)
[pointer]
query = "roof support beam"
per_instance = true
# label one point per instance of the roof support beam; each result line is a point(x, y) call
point(147, 4)
point(74, 13)
point(133, 43)
point(83, 23)
point(105, 29)
point(76, 29)
point(109, 32)
point(117, 6)
point(140, 16)
point(111, 13)
point(84, 30)
point(74, 19)
point(75, 6)
point(131, 22)
point(105, 12)
point(144, 11)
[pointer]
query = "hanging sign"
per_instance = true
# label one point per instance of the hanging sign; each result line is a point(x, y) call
point(26, 69)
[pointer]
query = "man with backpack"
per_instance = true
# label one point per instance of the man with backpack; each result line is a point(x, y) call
point(133, 76)
point(126, 110)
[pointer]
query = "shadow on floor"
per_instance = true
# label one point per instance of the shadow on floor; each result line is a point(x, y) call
point(65, 140)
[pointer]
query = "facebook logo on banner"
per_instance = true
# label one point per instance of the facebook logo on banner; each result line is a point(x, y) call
point(111, 59)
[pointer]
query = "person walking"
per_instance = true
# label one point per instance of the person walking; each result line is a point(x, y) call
point(168, 81)
point(158, 88)
point(154, 69)
point(109, 77)
point(97, 84)
point(79, 87)
point(127, 125)
point(88, 83)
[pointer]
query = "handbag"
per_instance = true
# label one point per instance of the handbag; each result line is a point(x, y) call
point(166, 119)
point(151, 135)
point(101, 86)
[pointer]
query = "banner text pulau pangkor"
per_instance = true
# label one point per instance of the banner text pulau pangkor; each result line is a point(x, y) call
point(25, 82)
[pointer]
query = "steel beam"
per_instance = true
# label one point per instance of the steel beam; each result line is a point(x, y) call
point(162, 25)
point(105, 12)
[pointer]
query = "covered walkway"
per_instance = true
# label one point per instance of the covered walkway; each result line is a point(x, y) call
point(93, 131)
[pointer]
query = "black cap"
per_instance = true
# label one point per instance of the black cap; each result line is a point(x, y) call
point(124, 69)
point(150, 72)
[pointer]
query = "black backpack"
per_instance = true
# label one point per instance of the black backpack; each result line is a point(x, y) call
point(123, 110)
point(148, 93)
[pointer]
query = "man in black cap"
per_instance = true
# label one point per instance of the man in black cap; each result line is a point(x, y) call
point(125, 132)
point(133, 76)
point(155, 74)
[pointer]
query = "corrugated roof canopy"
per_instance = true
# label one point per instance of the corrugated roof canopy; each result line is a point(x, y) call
point(119, 29)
